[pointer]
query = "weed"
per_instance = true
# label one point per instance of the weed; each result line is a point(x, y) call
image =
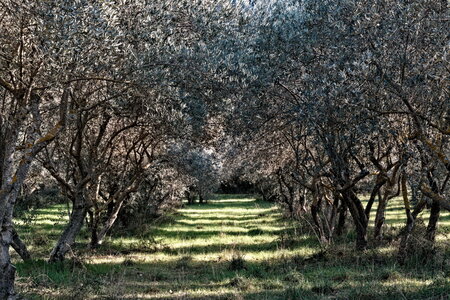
point(293, 278)
point(40, 239)
point(128, 262)
point(286, 241)
point(237, 261)
point(241, 283)
point(323, 289)
point(183, 262)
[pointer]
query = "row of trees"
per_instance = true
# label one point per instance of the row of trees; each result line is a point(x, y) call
point(316, 102)
point(93, 96)
point(357, 104)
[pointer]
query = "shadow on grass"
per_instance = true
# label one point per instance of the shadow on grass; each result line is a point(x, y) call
point(286, 278)
point(228, 204)
point(167, 272)
point(245, 217)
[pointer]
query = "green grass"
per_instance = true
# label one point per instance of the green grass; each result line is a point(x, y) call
point(231, 248)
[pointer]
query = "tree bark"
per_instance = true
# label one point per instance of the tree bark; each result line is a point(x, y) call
point(380, 217)
point(70, 233)
point(331, 217)
point(189, 197)
point(94, 217)
point(118, 198)
point(109, 223)
point(7, 269)
point(380, 181)
point(19, 246)
point(341, 221)
point(359, 218)
point(315, 207)
point(411, 220)
point(433, 221)
point(435, 210)
point(382, 204)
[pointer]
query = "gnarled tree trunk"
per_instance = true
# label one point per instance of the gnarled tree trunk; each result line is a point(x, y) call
point(7, 269)
point(118, 199)
point(382, 204)
point(359, 218)
point(433, 221)
point(70, 233)
point(339, 229)
point(410, 221)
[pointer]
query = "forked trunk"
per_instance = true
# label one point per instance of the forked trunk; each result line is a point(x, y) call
point(411, 220)
point(381, 209)
point(376, 191)
point(109, 223)
point(359, 218)
point(118, 199)
point(380, 218)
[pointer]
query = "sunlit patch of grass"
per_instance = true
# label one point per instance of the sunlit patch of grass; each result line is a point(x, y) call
point(395, 215)
point(189, 257)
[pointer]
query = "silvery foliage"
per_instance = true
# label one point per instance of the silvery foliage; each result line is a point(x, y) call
point(343, 75)
point(199, 168)
point(135, 57)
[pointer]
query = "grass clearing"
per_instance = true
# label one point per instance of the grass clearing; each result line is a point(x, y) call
point(231, 248)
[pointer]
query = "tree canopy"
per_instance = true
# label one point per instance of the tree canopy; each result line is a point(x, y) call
point(131, 106)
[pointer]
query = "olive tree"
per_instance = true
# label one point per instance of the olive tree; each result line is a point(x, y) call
point(35, 93)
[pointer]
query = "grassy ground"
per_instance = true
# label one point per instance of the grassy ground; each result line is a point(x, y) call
point(232, 248)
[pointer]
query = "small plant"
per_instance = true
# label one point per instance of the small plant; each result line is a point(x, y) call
point(286, 241)
point(128, 262)
point(240, 283)
point(183, 262)
point(390, 275)
point(323, 289)
point(319, 256)
point(293, 293)
point(147, 244)
point(40, 239)
point(237, 262)
point(29, 217)
point(293, 278)
point(159, 276)
point(340, 278)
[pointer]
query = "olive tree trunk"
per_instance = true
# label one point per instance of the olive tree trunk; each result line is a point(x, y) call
point(67, 238)
point(433, 221)
point(7, 270)
point(109, 224)
point(19, 246)
point(118, 199)
point(359, 218)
